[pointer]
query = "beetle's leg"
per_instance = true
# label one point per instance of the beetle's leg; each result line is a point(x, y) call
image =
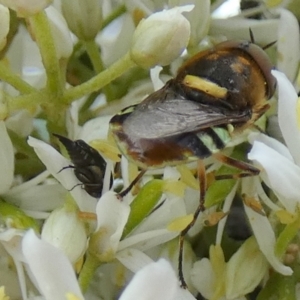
point(133, 182)
point(78, 184)
point(200, 208)
point(67, 167)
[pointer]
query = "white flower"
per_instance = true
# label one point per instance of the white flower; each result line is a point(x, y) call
point(11, 240)
point(161, 38)
point(4, 25)
point(25, 8)
point(156, 280)
point(51, 270)
point(280, 169)
point(31, 196)
point(216, 279)
point(273, 158)
point(84, 18)
point(107, 243)
point(245, 270)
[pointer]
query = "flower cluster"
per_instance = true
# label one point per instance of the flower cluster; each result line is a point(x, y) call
point(66, 67)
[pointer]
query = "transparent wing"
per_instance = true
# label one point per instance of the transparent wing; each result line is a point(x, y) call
point(156, 118)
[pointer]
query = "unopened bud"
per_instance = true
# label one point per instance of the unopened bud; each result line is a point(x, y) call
point(161, 38)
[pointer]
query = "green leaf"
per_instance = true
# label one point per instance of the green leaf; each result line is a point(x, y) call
point(16, 217)
point(279, 287)
point(218, 191)
point(143, 204)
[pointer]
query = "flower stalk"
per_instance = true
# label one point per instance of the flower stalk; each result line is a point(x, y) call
point(100, 80)
point(43, 36)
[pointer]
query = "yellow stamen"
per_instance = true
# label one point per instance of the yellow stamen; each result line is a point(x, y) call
point(175, 187)
point(71, 296)
point(255, 205)
point(187, 177)
point(2, 294)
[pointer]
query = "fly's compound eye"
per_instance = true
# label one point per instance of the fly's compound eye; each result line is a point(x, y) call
point(259, 57)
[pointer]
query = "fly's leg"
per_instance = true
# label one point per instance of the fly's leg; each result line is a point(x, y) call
point(247, 170)
point(131, 185)
point(200, 208)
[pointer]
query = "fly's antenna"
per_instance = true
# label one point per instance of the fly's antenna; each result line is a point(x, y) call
point(252, 40)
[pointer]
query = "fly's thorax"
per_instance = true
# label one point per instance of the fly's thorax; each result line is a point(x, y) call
point(238, 75)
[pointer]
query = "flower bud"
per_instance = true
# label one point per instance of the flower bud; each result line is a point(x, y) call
point(199, 19)
point(84, 18)
point(26, 8)
point(161, 38)
point(4, 25)
point(64, 230)
point(60, 32)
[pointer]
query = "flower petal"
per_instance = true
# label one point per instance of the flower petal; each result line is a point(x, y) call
point(4, 25)
point(155, 281)
point(245, 270)
point(203, 277)
point(55, 162)
point(287, 118)
point(6, 160)
point(288, 47)
point(26, 8)
point(265, 238)
point(264, 31)
point(51, 269)
point(157, 82)
point(45, 197)
point(112, 215)
point(272, 143)
point(133, 259)
point(279, 173)
point(148, 240)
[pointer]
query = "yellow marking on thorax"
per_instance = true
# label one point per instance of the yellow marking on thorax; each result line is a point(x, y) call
point(205, 85)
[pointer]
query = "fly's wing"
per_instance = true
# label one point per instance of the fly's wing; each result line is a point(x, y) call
point(154, 119)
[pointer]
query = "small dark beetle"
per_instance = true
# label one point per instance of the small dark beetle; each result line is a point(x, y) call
point(89, 166)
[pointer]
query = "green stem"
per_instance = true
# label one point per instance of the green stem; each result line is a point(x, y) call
point(29, 101)
point(115, 14)
point(44, 39)
point(88, 270)
point(100, 80)
point(94, 54)
point(14, 80)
